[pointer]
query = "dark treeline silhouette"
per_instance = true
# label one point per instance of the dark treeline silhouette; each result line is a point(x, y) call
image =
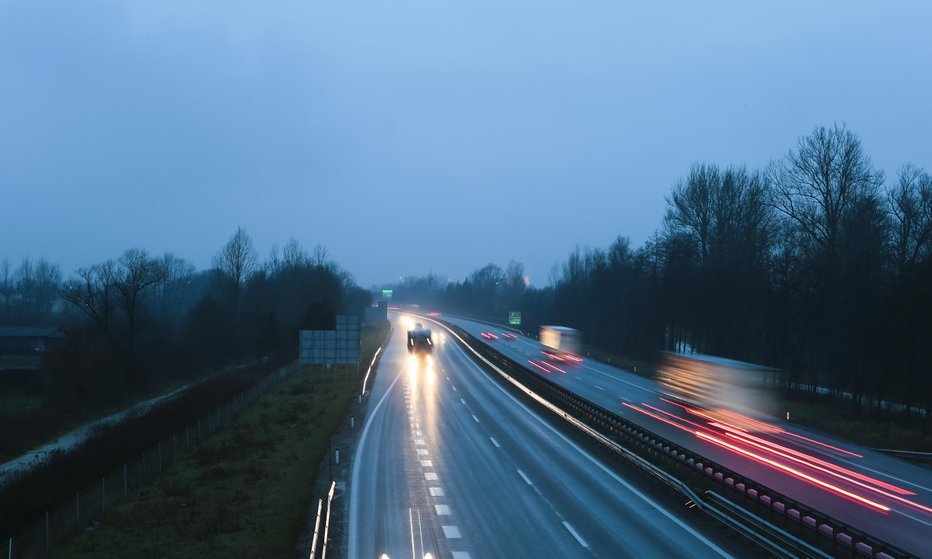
point(815, 265)
point(140, 319)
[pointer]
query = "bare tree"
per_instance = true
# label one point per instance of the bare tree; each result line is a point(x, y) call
point(136, 273)
point(321, 258)
point(93, 292)
point(820, 180)
point(691, 207)
point(910, 202)
point(173, 278)
point(235, 262)
point(294, 255)
point(6, 287)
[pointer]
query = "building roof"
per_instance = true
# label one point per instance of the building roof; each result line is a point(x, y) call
point(31, 332)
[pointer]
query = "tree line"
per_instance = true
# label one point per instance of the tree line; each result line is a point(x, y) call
point(140, 319)
point(817, 264)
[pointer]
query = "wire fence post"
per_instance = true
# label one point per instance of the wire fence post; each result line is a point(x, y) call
point(174, 447)
point(103, 494)
point(77, 513)
point(46, 530)
point(160, 456)
point(125, 483)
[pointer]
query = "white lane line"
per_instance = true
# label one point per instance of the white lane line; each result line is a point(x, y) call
point(656, 506)
point(430, 476)
point(464, 401)
point(911, 517)
point(436, 492)
point(476, 418)
point(451, 532)
point(419, 442)
point(416, 433)
point(620, 379)
point(443, 510)
point(453, 387)
point(427, 464)
point(581, 541)
point(422, 451)
point(460, 555)
point(625, 399)
point(354, 495)
point(863, 467)
point(599, 387)
point(524, 477)
point(495, 443)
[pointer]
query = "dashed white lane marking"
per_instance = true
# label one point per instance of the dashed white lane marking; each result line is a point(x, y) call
point(599, 387)
point(430, 476)
point(524, 477)
point(427, 464)
point(419, 442)
point(453, 387)
point(451, 532)
point(460, 555)
point(581, 541)
point(476, 418)
point(422, 451)
point(625, 399)
point(442, 510)
point(495, 443)
point(464, 401)
point(436, 492)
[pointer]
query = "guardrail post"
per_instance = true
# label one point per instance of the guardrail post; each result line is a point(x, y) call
point(160, 456)
point(46, 530)
point(174, 447)
point(125, 483)
point(103, 494)
point(77, 513)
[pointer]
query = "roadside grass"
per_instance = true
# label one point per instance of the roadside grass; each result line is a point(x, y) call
point(839, 420)
point(246, 491)
point(28, 420)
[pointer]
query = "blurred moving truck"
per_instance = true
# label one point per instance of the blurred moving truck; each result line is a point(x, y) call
point(561, 339)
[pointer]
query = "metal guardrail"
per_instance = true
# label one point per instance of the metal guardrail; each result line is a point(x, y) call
point(822, 531)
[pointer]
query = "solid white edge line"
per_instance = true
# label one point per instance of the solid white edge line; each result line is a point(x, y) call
point(576, 447)
point(524, 477)
point(581, 541)
point(354, 488)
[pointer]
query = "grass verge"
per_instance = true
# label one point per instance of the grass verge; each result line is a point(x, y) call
point(839, 420)
point(246, 491)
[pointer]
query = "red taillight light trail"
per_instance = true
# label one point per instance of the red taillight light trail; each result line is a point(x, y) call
point(810, 460)
point(539, 367)
point(838, 475)
point(554, 367)
point(792, 471)
point(804, 459)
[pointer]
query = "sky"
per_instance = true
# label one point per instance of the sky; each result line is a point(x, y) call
point(417, 136)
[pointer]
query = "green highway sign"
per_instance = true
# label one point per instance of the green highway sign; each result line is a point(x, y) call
point(514, 318)
point(386, 293)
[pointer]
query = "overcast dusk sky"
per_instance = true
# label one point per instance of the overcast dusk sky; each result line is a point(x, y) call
point(414, 136)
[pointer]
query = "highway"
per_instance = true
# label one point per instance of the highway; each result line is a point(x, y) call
point(450, 465)
point(880, 495)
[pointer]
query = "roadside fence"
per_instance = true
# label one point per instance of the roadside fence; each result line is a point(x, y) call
point(83, 511)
